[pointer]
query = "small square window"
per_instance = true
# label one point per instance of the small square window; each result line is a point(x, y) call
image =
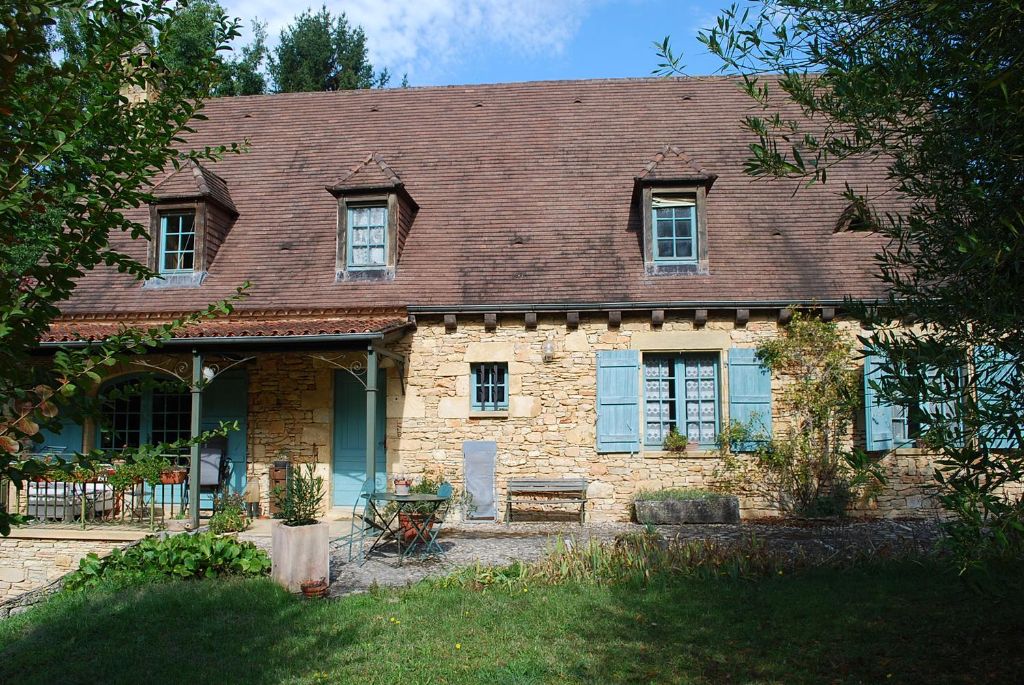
point(674, 228)
point(367, 237)
point(490, 386)
point(177, 242)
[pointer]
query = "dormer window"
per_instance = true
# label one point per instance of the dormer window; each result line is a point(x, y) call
point(675, 229)
point(375, 213)
point(190, 219)
point(177, 242)
point(367, 236)
point(672, 194)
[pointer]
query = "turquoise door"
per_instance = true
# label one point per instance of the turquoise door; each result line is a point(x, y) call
point(226, 399)
point(350, 437)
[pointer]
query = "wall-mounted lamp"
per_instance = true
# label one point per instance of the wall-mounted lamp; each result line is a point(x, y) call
point(549, 348)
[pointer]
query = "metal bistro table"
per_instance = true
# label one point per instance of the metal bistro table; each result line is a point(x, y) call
point(426, 532)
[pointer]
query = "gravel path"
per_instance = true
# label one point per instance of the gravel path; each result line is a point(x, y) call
point(497, 544)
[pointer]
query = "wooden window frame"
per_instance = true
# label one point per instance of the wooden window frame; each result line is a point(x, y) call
point(343, 270)
point(699, 264)
point(156, 214)
point(350, 245)
point(162, 251)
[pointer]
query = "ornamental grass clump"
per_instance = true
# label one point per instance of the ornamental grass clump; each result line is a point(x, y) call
point(631, 558)
point(677, 494)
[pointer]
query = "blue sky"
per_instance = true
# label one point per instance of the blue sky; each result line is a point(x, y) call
point(440, 42)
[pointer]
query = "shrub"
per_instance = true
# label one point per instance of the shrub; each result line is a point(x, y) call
point(229, 514)
point(810, 466)
point(300, 501)
point(184, 556)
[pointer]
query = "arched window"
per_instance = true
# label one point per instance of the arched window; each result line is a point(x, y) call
point(143, 410)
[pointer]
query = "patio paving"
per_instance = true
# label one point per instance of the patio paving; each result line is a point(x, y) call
point(498, 544)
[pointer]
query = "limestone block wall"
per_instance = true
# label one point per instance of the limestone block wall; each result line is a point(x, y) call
point(549, 429)
point(27, 562)
point(290, 416)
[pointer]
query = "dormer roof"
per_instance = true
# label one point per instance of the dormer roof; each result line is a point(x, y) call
point(672, 165)
point(193, 181)
point(372, 173)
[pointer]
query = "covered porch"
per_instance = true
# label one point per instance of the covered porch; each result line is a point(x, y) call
point(298, 395)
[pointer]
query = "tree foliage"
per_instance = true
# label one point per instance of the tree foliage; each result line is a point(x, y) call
point(322, 52)
point(811, 467)
point(935, 92)
point(74, 157)
point(190, 39)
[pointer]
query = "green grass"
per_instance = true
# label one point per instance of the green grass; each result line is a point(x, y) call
point(677, 493)
point(893, 623)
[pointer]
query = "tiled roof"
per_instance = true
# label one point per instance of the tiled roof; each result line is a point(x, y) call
point(526, 195)
point(70, 329)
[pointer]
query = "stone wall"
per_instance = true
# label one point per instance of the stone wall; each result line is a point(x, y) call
point(27, 562)
point(549, 429)
point(290, 416)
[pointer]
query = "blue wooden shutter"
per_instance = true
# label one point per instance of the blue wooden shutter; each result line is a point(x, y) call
point(618, 401)
point(750, 397)
point(995, 371)
point(878, 414)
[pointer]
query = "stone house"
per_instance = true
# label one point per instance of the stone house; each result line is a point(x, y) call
point(566, 270)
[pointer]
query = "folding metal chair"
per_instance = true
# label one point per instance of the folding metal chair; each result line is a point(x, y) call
point(363, 525)
point(427, 536)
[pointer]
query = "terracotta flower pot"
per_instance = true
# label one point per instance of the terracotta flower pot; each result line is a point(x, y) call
point(315, 588)
point(176, 477)
point(412, 524)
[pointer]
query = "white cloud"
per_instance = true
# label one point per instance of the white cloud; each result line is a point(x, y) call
point(423, 37)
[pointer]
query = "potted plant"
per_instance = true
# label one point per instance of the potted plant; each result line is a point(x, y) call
point(175, 475)
point(413, 521)
point(675, 441)
point(299, 541)
point(403, 485)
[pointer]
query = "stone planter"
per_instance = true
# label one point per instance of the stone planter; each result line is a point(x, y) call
point(722, 509)
point(299, 554)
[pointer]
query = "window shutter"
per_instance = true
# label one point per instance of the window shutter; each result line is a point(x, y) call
point(878, 415)
point(618, 401)
point(750, 396)
point(995, 371)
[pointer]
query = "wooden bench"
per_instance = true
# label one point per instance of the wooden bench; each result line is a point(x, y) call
point(539, 491)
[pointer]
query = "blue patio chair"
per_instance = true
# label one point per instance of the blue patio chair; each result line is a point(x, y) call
point(363, 525)
point(428, 537)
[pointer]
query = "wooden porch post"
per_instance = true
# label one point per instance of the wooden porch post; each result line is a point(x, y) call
point(371, 416)
point(197, 408)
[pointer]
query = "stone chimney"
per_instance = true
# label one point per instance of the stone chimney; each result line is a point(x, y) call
point(134, 93)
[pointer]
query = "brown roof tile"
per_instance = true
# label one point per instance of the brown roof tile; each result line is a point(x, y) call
point(526, 195)
point(65, 330)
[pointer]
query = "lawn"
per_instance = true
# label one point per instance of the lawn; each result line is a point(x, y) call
point(892, 623)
